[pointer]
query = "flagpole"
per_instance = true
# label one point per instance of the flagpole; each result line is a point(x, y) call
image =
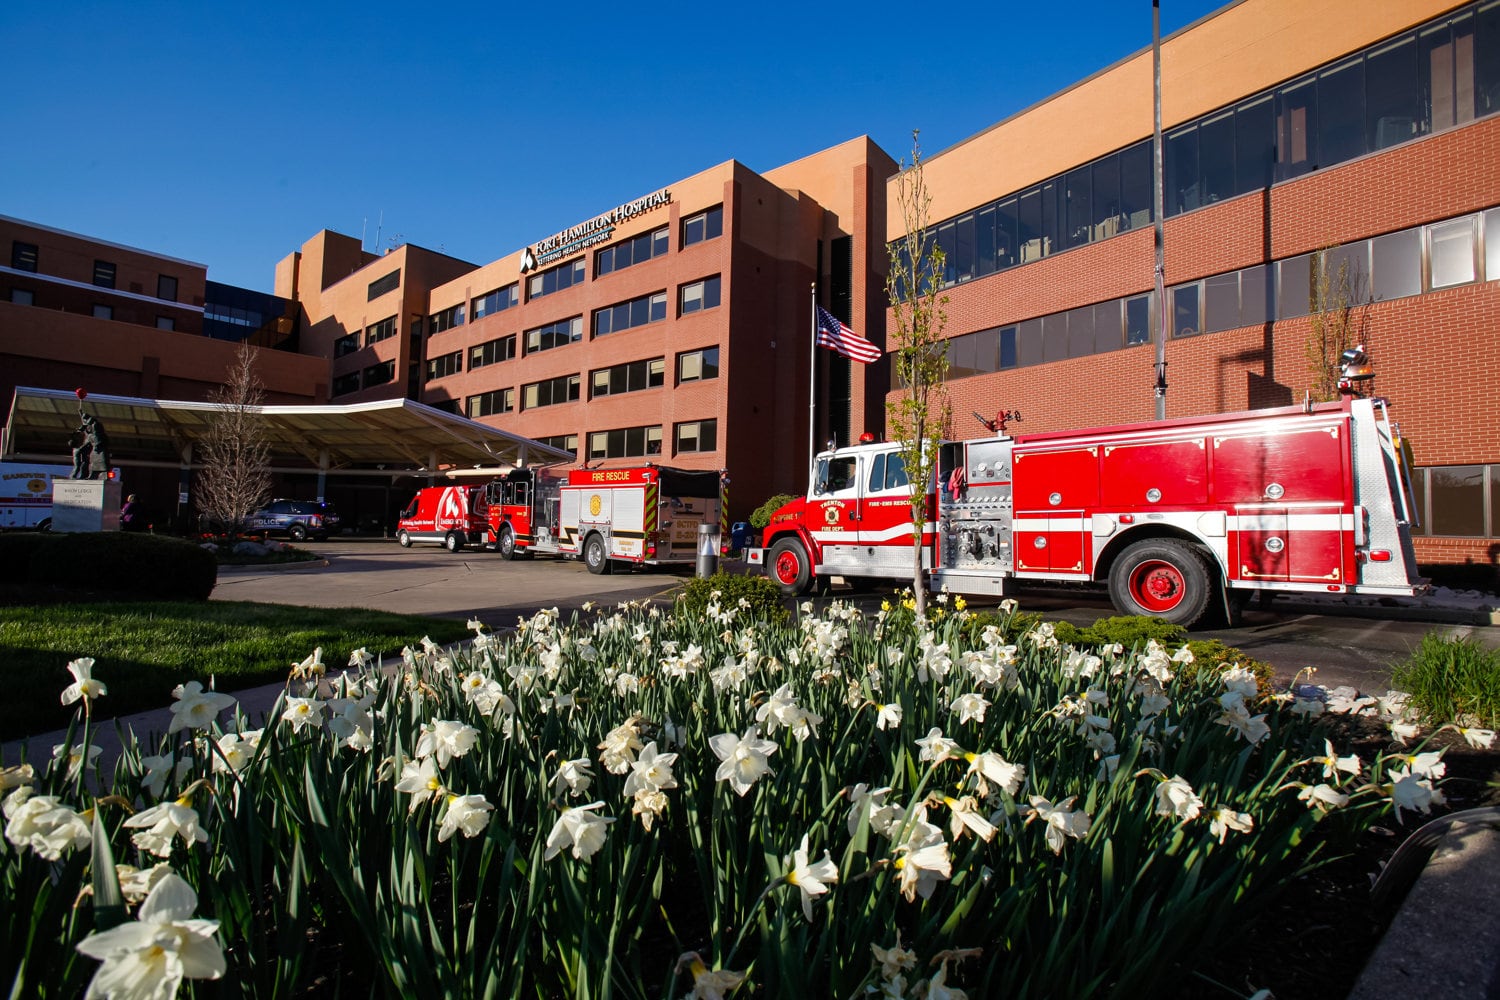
point(812, 380)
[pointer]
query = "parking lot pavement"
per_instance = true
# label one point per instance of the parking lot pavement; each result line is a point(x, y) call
point(428, 580)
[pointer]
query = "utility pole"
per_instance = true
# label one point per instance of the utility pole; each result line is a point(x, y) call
point(1160, 202)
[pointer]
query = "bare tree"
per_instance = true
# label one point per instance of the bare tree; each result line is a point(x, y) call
point(1337, 308)
point(236, 476)
point(921, 410)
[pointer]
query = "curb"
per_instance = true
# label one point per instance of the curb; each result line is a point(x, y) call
point(292, 567)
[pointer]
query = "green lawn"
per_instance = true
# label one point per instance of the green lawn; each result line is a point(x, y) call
point(142, 651)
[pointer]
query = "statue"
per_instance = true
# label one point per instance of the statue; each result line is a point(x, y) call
point(90, 445)
point(98, 447)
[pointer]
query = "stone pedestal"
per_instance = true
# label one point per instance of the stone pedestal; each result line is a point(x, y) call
point(85, 505)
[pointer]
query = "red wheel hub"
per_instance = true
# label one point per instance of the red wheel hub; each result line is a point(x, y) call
point(787, 568)
point(1157, 586)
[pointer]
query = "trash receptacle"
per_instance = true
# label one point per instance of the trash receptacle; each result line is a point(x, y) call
point(708, 550)
point(742, 536)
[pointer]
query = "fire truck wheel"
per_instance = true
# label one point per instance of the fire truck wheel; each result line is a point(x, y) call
point(595, 556)
point(452, 542)
point(506, 546)
point(404, 539)
point(1163, 578)
point(789, 566)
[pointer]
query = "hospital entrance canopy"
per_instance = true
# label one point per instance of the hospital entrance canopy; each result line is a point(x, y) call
point(403, 436)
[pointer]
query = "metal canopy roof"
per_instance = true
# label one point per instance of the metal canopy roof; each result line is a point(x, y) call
point(399, 434)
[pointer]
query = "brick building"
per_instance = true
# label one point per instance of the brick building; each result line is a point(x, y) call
point(675, 328)
point(1316, 156)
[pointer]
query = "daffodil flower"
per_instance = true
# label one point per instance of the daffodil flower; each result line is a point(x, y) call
point(196, 708)
point(151, 955)
point(1412, 790)
point(966, 818)
point(84, 686)
point(888, 716)
point(467, 813)
point(895, 959)
point(1479, 739)
point(970, 707)
point(420, 780)
point(579, 828)
point(159, 768)
point(77, 757)
point(1176, 799)
point(651, 772)
point(990, 766)
point(310, 668)
point(922, 860)
point(236, 750)
point(744, 761)
point(1333, 763)
point(303, 712)
point(446, 739)
point(360, 658)
point(44, 824)
point(709, 984)
point(1225, 820)
point(1060, 820)
point(813, 879)
point(1322, 797)
point(573, 775)
point(936, 747)
point(163, 821)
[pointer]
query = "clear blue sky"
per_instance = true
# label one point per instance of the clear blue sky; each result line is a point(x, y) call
point(229, 132)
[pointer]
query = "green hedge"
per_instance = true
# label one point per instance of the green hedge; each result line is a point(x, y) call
point(764, 601)
point(112, 562)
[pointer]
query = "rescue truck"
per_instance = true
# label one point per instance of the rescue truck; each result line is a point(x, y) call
point(453, 516)
point(1177, 517)
point(643, 515)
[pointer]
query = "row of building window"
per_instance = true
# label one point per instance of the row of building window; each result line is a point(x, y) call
point(26, 256)
point(1404, 263)
point(636, 250)
point(1443, 74)
point(383, 284)
point(633, 376)
point(99, 310)
point(383, 330)
point(1457, 500)
point(376, 374)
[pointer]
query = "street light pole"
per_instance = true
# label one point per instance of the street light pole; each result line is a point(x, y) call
point(1159, 210)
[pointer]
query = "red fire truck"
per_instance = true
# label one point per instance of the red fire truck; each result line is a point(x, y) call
point(1176, 517)
point(647, 515)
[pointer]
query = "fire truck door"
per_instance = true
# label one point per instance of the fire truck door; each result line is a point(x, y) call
point(885, 515)
point(1261, 544)
point(834, 511)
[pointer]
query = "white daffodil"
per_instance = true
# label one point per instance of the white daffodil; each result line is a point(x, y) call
point(1175, 798)
point(966, 818)
point(303, 712)
point(1240, 680)
point(311, 668)
point(1333, 763)
point(888, 716)
point(580, 828)
point(885, 818)
point(44, 824)
point(1060, 820)
point(1479, 739)
point(419, 779)
point(1424, 765)
point(652, 771)
point(813, 879)
point(16, 776)
point(351, 722)
point(445, 739)
point(469, 814)
point(196, 708)
point(163, 821)
point(744, 760)
point(360, 658)
point(1225, 820)
point(922, 860)
point(936, 747)
point(1402, 731)
point(159, 769)
point(970, 707)
point(895, 959)
point(84, 686)
point(1412, 790)
point(151, 955)
point(574, 775)
point(1252, 727)
point(648, 804)
point(991, 767)
point(709, 984)
point(236, 750)
point(76, 757)
point(620, 745)
point(1323, 797)
point(136, 883)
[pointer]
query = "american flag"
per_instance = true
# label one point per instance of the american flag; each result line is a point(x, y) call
point(832, 333)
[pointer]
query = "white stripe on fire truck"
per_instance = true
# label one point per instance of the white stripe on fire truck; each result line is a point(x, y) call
point(1242, 522)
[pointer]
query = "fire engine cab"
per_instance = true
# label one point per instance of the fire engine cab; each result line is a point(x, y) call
point(645, 515)
point(1176, 516)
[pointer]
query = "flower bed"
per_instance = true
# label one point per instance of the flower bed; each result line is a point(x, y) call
point(645, 804)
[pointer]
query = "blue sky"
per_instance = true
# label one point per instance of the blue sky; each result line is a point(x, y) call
point(228, 133)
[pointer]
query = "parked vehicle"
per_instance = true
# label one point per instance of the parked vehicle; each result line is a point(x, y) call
point(1176, 517)
point(452, 516)
point(646, 515)
point(299, 520)
point(26, 493)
